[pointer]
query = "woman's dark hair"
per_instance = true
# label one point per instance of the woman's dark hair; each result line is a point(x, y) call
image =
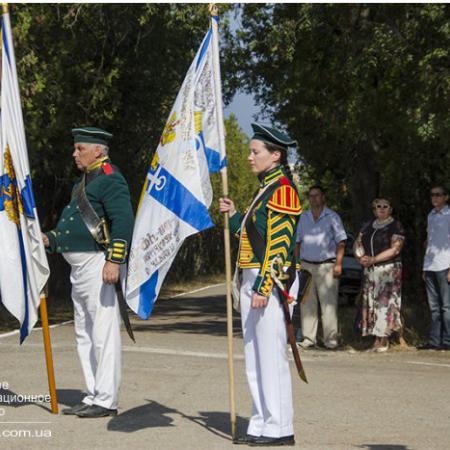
point(283, 158)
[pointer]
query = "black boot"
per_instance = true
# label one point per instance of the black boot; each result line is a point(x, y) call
point(95, 411)
point(245, 440)
point(73, 410)
point(264, 441)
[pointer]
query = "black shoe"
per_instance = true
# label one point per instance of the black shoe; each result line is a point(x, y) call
point(264, 441)
point(96, 411)
point(429, 347)
point(73, 410)
point(245, 440)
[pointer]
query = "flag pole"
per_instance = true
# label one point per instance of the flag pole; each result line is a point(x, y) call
point(226, 231)
point(43, 303)
point(48, 353)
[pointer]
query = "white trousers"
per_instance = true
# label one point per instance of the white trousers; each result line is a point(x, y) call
point(266, 363)
point(324, 289)
point(97, 328)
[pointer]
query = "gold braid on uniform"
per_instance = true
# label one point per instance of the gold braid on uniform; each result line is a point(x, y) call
point(283, 211)
point(117, 251)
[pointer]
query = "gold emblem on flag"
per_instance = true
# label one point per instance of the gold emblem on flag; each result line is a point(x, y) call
point(10, 192)
point(169, 133)
point(198, 122)
point(155, 161)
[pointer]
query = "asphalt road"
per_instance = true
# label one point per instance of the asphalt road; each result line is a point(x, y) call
point(175, 390)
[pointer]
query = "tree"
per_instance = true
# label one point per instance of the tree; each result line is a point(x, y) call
point(115, 66)
point(118, 67)
point(365, 89)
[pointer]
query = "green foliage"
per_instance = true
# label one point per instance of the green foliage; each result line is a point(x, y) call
point(114, 66)
point(119, 67)
point(365, 88)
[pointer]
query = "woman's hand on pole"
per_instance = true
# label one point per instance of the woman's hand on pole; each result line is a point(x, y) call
point(226, 206)
point(45, 240)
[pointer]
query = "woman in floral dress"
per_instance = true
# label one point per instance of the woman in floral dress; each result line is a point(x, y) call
point(377, 248)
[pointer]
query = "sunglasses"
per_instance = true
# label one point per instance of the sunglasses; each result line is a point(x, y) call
point(437, 194)
point(381, 206)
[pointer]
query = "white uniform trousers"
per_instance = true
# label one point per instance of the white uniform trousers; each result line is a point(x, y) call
point(97, 328)
point(266, 363)
point(324, 288)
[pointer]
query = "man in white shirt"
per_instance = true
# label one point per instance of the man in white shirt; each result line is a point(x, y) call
point(320, 244)
point(436, 269)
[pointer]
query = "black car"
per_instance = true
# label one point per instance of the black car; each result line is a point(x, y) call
point(351, 278)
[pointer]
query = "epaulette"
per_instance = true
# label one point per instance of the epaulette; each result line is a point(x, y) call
point(107, 168)
point(285, 200)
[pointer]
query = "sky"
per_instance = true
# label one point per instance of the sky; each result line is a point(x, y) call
point(243, 105)
point(244, 108)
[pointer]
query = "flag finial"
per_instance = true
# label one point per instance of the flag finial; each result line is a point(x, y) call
point(213, 9)
point(5, 8)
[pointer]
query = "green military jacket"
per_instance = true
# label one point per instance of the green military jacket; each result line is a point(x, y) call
point(275, 218)
point(108, 193)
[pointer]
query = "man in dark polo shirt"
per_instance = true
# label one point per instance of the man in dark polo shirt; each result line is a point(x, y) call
point(97, 259)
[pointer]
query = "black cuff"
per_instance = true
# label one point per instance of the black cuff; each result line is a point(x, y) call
point(117, 251)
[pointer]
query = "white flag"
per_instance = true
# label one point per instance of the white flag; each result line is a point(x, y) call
point(177, 192)
point(23, 262)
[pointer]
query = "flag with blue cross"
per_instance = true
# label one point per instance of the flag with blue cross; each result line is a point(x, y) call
point(177, 191)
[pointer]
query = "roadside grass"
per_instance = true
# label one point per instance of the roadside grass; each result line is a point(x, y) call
point(416, 316)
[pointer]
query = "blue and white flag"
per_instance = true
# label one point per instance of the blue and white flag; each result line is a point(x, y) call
point(23, 262)
point(177, 192)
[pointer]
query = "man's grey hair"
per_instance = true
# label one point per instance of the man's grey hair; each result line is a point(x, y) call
point(104, 149)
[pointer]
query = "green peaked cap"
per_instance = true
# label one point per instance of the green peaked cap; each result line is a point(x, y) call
point(91, 135)
point(272, 135)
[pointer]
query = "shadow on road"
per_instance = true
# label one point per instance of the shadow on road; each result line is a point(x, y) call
point(150, 415)
point(7, 396)
point(69, 397)
point(218, 423)
point(153, 414)
point(384, 447)
point(189, 315)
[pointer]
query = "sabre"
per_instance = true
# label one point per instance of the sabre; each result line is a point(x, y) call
point(277, 274)
point(99, 231)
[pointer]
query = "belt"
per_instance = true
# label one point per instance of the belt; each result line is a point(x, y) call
point(325, 261)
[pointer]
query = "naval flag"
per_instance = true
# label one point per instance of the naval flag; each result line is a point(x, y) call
point(23, 262)
point(177, 191)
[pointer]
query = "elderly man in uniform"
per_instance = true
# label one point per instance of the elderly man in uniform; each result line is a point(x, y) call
point(320, 243)
point(93, 234)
